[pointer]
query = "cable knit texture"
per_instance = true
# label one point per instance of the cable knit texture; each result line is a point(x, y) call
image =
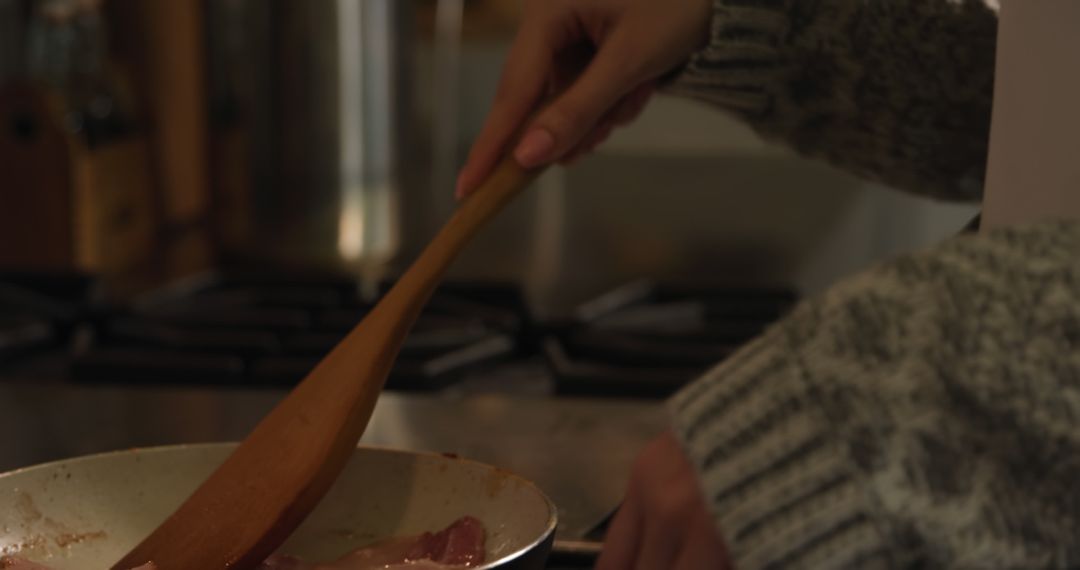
point(897, 91)
point(926, 413)
point(923, 414)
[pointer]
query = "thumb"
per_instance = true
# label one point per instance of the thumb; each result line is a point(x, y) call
point(560, 127)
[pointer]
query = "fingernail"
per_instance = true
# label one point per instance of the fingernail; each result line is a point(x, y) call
point(535, 148)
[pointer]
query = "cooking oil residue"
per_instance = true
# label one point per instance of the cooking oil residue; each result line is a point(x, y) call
point(497, 480)
point(68, 539)
point(25, 507)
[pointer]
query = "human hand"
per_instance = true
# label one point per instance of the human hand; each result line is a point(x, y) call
point(664, 522)
point(601, 56)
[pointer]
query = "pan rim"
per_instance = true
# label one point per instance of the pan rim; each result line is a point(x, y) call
point(549, 529)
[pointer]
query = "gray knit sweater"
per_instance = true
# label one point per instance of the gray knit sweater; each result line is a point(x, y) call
point(926, 413)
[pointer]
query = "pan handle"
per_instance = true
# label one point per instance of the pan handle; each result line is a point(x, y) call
point(575, 553)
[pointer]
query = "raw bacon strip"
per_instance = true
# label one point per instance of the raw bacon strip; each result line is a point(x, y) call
point(460, 545)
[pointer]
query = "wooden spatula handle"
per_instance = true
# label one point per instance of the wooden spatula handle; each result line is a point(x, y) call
point(499, 189)
point(273, 480)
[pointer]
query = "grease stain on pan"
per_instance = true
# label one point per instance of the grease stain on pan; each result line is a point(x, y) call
point(69, 539)
point(497, 480)
point(30, 516)
point(36, 543)
point(57, 528)
point(26, 508)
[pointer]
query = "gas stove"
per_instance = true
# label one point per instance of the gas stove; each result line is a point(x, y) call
point(268, 329)
point(40, 311)
point(648, 340)
point(211, 337)
point(262, 329)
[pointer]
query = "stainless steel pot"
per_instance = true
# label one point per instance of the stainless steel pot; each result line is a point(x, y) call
point(85, 513)
point(321, 88)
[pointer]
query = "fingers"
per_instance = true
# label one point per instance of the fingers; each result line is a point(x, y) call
point(621, 542)
point(521, 86)
point(628, 109)
point(633, 104)
point(563, 125)
point(588, 144)
point(702, 549)
point(665, 522)
point(598, 137)
point(669, 506)
point(660, 543)
point(541, 61)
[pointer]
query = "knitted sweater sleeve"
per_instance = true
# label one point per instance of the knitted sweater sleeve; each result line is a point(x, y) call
point(895, 91)
point(923, 414)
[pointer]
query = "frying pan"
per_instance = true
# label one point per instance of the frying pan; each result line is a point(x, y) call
point(85, 513)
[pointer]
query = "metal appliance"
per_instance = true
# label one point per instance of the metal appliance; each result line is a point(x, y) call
point(321, 90)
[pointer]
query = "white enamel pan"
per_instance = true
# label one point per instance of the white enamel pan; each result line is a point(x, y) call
point(85, 513)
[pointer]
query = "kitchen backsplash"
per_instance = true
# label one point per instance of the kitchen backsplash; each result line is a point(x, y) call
point(686, 193)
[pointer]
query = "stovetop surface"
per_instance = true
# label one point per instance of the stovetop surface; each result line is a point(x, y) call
point(578, 450)
point(266, 329)
point(204, 359)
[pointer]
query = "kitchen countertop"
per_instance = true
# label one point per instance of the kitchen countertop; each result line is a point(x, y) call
point(579, 451)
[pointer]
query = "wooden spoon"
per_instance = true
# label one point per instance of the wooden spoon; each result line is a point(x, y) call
point(273, 480)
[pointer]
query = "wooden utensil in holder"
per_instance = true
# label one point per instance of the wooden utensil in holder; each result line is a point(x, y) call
point(63, 204)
